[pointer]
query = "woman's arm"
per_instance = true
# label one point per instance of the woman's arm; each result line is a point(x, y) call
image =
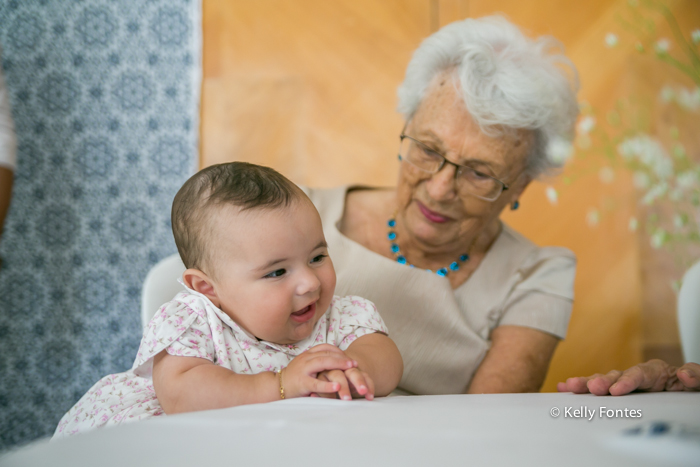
point(188, 384)
point(516, 362)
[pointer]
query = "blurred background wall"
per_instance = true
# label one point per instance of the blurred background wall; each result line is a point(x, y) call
point(105, 99)
point(309, 88)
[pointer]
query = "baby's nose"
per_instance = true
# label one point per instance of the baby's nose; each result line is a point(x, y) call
point(308, 283)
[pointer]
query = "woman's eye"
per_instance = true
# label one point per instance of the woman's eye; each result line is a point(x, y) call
point(474, 175)
point(318, 259)
point(277, 273)
point(430, 153)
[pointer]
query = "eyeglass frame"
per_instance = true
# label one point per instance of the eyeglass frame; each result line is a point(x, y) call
point(402, 136)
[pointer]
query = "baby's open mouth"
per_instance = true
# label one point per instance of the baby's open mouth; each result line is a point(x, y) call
point(304, 314)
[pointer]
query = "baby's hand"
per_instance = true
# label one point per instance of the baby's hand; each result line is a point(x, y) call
point(353, 383)
point(300, 377)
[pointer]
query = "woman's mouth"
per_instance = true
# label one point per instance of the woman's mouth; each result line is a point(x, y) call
point(432, 216)
point(304, 314)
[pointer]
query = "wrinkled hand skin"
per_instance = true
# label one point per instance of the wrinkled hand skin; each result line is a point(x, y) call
point(651, 376)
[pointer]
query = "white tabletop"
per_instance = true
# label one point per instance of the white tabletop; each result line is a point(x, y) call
point(502, 429)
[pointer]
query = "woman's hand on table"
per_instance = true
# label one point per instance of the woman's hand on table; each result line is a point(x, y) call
point(651, 376)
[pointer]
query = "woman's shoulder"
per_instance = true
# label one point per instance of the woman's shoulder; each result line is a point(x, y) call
point(356, 211)
point(517, 260)
point(333, 202)
point(327, 200)
point(549, 268)
point(514, 244)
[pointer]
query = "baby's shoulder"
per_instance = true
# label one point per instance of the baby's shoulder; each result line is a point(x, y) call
point(351, 304)
point(351, 317)
point(184, 304)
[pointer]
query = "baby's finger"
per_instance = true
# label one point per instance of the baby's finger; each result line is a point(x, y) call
point(321, 387)
point(370, 383)
point(339, 377)
point(325, 348)
point(321, 362)
point(369, 394)
point(357, 379)
point(323, 376)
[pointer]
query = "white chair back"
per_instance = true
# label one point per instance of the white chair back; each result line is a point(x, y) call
point(689, 314)
point(160, 286)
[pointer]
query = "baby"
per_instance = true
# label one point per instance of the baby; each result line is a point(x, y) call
point(258, 321)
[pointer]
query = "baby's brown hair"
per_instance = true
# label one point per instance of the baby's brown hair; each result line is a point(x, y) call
point(240, 184)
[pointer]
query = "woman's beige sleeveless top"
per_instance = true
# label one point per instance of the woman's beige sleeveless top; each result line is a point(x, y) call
point(443, 333)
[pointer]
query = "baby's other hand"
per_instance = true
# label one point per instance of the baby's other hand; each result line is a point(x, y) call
point(354, 383)
point(300, 379)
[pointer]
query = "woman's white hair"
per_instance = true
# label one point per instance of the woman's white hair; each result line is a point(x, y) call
point(507, 80)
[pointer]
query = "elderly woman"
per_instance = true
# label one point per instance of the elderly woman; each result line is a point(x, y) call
point(472, 305)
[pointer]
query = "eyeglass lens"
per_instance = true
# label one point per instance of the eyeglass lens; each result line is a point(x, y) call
point(467, 179)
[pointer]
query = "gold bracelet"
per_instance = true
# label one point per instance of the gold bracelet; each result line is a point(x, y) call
point(279, 376)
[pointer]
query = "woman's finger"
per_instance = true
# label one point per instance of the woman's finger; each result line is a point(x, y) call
point(689, 375)
point(650, 376)
point(576, 384)
point(600, 384)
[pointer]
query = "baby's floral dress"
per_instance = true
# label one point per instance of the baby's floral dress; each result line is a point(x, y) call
point(191, 326)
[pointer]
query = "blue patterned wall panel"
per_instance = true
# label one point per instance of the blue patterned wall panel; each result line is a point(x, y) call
point(105, 97)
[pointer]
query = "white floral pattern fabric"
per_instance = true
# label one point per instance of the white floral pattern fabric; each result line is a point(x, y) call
point(191, 326)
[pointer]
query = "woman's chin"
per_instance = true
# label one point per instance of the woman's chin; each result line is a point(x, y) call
point(430, 234)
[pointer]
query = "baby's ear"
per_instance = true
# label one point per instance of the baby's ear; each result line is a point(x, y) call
point(200, 282)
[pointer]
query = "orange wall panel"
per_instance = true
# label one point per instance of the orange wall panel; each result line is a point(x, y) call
point(309, 87)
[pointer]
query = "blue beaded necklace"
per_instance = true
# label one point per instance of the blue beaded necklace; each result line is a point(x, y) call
point(396, 251)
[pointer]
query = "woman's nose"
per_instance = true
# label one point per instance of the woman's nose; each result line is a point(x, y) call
point(308, 282)
point(441, 186)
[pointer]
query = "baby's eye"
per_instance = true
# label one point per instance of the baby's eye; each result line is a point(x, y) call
point(277, 273)
point(318, 259)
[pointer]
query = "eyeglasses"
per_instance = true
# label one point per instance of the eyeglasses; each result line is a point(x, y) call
point(467, 179)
